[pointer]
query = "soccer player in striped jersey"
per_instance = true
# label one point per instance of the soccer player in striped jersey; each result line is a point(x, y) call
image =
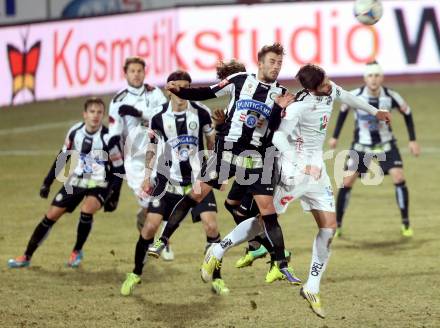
point(240, 149)
point(96, 179)
point(240, 204)
point(131, 111)
point(181, 128)
point(371, 138)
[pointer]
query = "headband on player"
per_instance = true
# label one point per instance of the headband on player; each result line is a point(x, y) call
point(373, 68)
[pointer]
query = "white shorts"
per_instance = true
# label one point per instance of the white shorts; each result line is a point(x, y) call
point(314, 194)
point(135, 173)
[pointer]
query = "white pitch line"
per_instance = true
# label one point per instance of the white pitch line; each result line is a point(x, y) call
point(24, 152)
point(38, 127)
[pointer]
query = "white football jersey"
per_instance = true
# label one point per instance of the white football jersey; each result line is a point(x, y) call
point(306, 122)
point(132, 130)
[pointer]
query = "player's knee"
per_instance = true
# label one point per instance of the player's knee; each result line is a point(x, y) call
point(349, 181)
point(399, 178)
point(267, 209)
point(211, 228)
point(150, 228)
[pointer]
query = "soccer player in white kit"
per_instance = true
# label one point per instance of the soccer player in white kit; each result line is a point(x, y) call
point(131, 111)
point(300, 139)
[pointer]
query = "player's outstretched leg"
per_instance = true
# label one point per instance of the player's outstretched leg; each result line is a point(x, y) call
point(246, 230)
point(38, 236)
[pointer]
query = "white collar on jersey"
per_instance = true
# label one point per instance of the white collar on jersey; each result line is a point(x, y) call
point(84, 128)
point(136, 91)
point(170, 109)
point(274, 83)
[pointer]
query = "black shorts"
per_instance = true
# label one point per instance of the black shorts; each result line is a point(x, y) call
point(248, 207)
point(392, 160)
point(216, 171)
point(165, 204)
point(70, 200)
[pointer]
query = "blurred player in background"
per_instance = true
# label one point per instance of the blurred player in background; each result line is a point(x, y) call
point(130, 114)
point(96, 179)
point(182, 125)
point(372, 137)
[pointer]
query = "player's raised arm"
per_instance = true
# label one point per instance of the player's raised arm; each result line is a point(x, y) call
point(222, 88)
point(356, 102)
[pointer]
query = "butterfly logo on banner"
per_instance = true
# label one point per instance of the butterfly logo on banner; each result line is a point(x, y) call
point(23, 65)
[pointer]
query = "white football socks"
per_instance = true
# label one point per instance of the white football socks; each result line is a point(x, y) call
point(245, 231)
point(320, 256)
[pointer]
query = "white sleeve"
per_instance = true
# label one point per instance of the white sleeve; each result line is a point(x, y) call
point(156, 100)
point(116, 123)
point(353, 101)
point(288, 124)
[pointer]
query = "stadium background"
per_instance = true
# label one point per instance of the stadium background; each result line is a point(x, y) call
point(374, 279)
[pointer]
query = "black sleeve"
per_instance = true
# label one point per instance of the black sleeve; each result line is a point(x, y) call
point(116, 174)
point(202, 93)
point(339, 123)
point(275, 117)
point(205, 118)
point(58, 164)
point(410, 126)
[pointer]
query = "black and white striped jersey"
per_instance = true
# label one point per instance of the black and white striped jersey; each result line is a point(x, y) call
point(250, 100)
point(94, 156)
point(183, 135)
point(368, 130)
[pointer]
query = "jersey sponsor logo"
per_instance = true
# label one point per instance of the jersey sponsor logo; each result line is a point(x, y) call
point(90, 164)
point(193, 125)
point(184, 140)
point(369, 121)
point(253, 105)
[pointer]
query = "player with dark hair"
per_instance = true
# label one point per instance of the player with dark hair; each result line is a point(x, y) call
point(301, 170)
point(181, 127)
point(240, 148)
point(371, 138)
point(96, 179)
